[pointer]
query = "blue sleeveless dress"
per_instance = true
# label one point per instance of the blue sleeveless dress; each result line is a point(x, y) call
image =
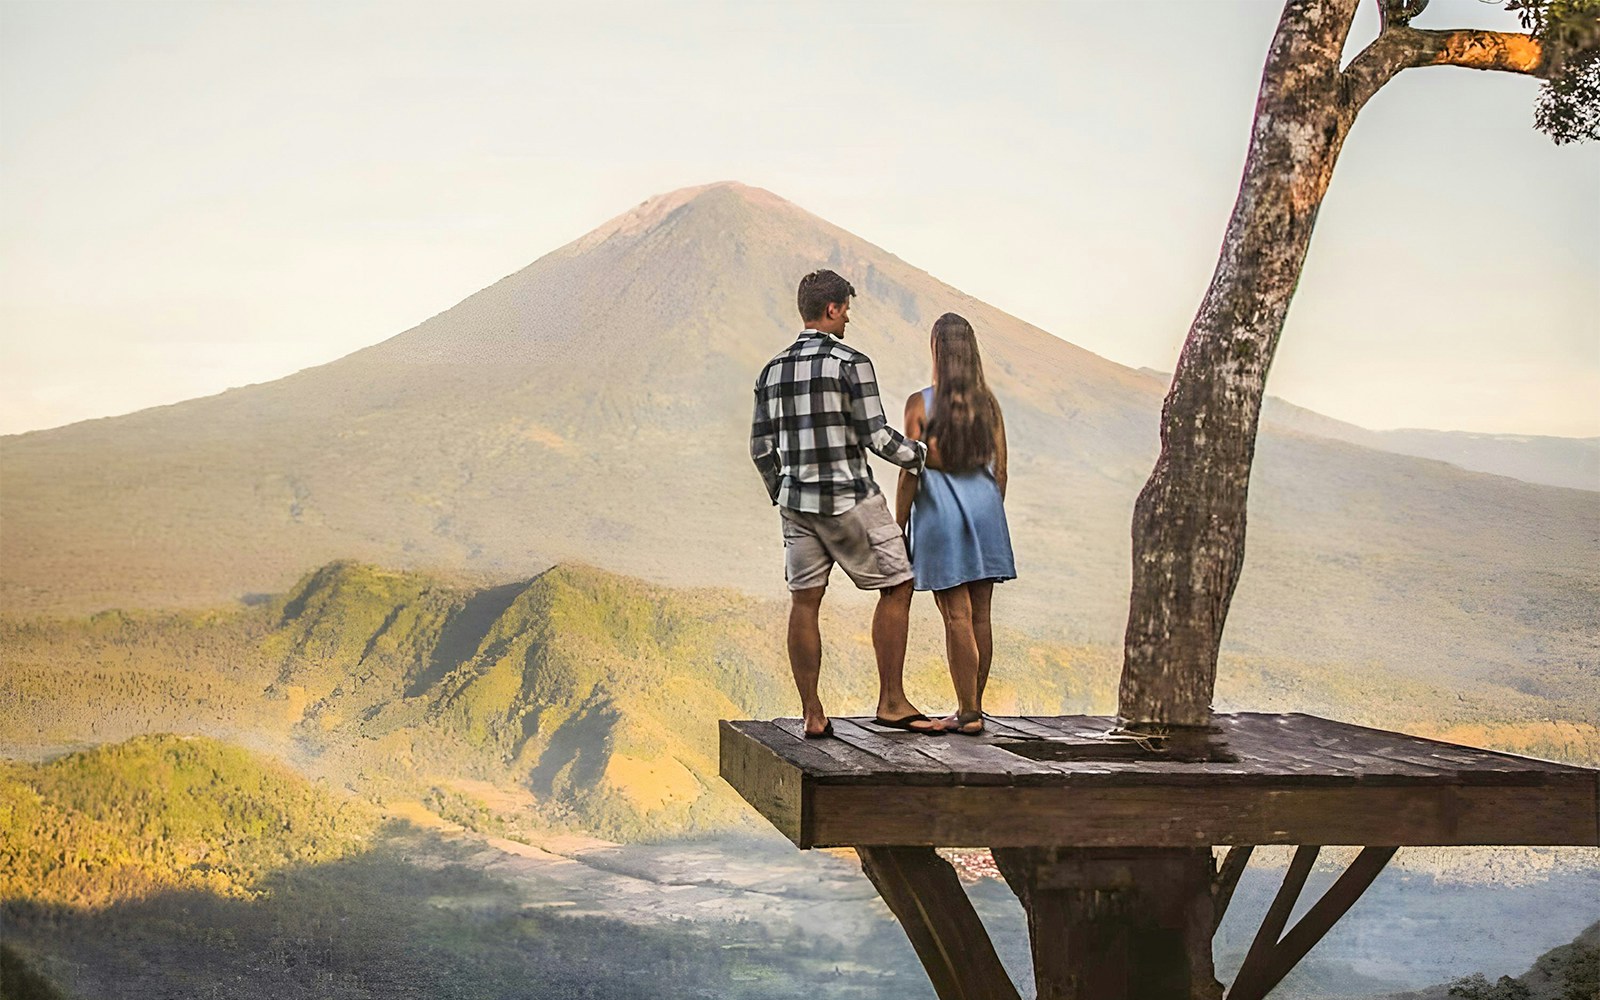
point(958, 527)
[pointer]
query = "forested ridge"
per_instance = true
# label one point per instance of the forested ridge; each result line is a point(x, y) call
point(594, 697)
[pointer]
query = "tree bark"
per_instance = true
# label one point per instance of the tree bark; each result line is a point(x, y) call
point(1189, 521)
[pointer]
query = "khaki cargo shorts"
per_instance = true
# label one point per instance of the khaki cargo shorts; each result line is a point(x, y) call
point(864, 540)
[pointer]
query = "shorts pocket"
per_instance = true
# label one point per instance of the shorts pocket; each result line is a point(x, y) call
point(889, 549)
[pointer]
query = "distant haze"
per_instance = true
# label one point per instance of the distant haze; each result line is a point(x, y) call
point(199, 196)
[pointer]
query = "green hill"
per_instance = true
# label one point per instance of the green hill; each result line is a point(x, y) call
point(162, 812)
point(581, 699)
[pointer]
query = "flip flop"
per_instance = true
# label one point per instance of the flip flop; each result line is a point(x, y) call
point(905, 722)
point(827, 731)
point(959, 731)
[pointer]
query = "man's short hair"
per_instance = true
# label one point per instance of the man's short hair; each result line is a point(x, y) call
point(820, 289)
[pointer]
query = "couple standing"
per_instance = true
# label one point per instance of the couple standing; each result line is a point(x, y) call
point(817, 414)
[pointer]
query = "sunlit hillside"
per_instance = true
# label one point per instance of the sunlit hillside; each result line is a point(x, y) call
point(586, 700)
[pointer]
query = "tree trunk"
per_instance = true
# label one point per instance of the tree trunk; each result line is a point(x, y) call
point(1189, 522)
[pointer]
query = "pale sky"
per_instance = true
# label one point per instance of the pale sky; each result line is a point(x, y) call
point(197, 195)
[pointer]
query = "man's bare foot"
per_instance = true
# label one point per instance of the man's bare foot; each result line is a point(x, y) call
point(818, 723)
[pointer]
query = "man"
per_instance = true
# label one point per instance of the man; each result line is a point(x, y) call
point(817, 413)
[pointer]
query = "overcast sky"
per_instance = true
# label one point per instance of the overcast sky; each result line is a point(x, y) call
point(199, 195)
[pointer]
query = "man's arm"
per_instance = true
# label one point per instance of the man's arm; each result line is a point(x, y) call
point(764, 449)
point(872, 427)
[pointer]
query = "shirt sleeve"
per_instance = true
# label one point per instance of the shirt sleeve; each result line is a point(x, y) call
point(764, 448)
point(872, 427)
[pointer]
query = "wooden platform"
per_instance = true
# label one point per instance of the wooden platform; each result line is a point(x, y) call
point(1295, 779)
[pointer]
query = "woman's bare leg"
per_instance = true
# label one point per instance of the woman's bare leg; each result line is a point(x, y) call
point(961, 650)
point(980, 594)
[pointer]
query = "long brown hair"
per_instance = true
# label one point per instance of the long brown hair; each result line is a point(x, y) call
point(965, 412)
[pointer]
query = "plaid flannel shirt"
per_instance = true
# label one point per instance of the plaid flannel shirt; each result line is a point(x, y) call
point(817, 412)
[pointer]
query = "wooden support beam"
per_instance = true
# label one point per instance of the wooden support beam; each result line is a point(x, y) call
point(1294, 880)
point(1274, 953)
point(924, 894)
point(1117, 924)
point(1227, 880)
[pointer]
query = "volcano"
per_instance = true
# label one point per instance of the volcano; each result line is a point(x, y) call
point(594, 407)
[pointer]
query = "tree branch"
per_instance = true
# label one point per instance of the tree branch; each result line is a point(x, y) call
point(1401, 48)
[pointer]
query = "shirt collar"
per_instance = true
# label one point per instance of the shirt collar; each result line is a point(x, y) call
point(808, 332)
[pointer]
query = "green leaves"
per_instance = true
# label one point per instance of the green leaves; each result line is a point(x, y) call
point(1568, 108)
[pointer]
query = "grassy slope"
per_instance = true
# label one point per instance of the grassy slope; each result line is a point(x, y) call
point(591, 698)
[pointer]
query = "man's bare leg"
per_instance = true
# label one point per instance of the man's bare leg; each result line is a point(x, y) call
point(890, 622)
point(805, 653)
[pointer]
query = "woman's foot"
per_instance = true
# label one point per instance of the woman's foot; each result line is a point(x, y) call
point(963, 723)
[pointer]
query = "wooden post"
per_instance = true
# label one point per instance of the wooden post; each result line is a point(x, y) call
point(924, 894)
point(1117, 923)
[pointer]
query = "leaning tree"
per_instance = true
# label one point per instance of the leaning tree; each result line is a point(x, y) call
point(1189, 521)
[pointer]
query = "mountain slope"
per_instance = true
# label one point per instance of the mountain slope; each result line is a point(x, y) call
point(1573, 463)
point(593, 407)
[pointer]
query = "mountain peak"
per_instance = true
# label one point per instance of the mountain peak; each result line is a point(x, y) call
point(657, 209)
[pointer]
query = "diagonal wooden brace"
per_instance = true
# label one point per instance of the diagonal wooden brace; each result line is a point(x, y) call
point(924, 894)
point(1226, 881)
point(1274, 953)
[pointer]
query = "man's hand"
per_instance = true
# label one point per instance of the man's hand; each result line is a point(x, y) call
point(771, 469)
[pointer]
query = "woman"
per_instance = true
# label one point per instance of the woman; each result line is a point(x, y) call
point(960, 544)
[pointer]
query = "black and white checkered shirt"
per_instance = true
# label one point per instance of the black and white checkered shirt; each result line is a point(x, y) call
point(817, 413)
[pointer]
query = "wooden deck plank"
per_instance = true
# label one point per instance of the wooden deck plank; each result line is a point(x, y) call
point(1380, 739)
point(1028, 728)
point(978, 757)
point(849, 762)
point(953, 759)
point(811, 761)
point(1080, 726)
point(903, 751)
point(1000, 726)
point(1299, 780)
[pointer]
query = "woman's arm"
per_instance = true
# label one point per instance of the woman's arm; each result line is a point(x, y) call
point(904, 493)
point(906, 490)
point(1000, 449)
